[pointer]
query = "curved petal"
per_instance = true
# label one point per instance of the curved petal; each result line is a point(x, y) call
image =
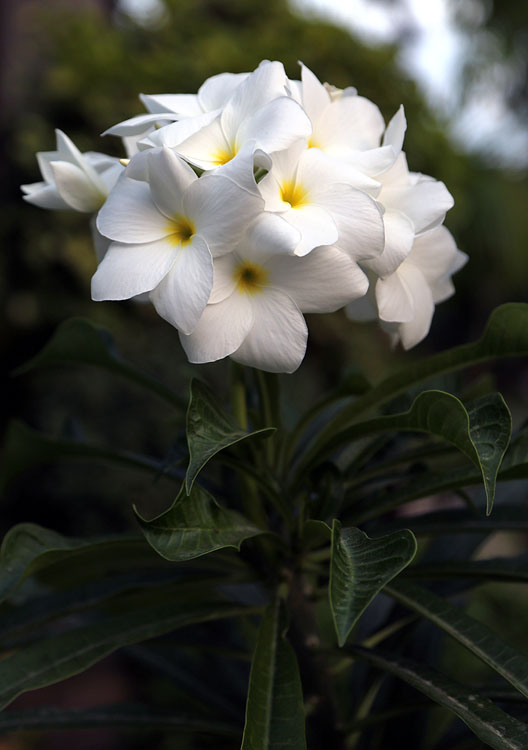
point(323, 281)
point(413, 331)
point(220, 331)
point(373, 161)
point(44, 196)
point(425, 203)
point(433, 253)
point(207, 148)
point(277, 340)
point(128, 270)
point(399, 238)
point(169, 178)
point(276, 125)
point(358, 219)
point(175, 133)
point(224, 279)
point(215, 91)
point(139, 124)
point(316, 226)
point(394, 299)
point(319, 170)
point(315, 97)
point(130, 215)
point(75, 188)
point(180, 298)
point(351, 122)
point(221, 211)
point(68, 151)
point(186, 105)
point(271, 235)
point(395, 132)
point(240, 169)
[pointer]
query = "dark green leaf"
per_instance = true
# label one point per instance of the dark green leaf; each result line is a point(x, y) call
point(481, 432)
point(462, 521)
point(25, 448)
point(359, 568)
point(475, 636)
point(79, 342)
point(514, 570)
point(210, 429)
point(195, 525)
point(491, 724)
point(274, 709)
point(54, 659)
point(506, 335)
point(27, 548)
point(135, 717)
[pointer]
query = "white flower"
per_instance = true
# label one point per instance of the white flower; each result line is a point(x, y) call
point(304, 189)
point(165, 233)
point(404, 301)
point(257, 112)
point(73, 180)
point(255, 311)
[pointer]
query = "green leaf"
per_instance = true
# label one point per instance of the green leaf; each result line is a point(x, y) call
point(359, 568)
point(54, 659)
point(508, 569)
point(27, 548)
point(25, 448)
point(506, 335)
point(128, 716)
point(481, 432)
point(210, 429)
point(491, 724)
point(274, 708)
point(462, 521)
point(79, 342)
point(475, 636)
point(195, 525)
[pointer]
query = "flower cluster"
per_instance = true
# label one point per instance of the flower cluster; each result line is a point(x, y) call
point(254, 201)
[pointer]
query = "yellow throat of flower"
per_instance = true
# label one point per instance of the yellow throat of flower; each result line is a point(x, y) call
point(293, 193)
point(180, 231)
point(250, 278)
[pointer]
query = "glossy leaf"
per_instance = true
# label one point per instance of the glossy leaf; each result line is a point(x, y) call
point(359, 569)
point(79, 342)
point(128, 716)
point(210, 429)
point(481, 432)
point(505, 335)
point(492, 725)
point(25, 448)
point(195, 525)
point(274, 708)
point(54, 659)
point(476, 637)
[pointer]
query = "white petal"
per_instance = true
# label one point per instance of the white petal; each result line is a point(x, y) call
point(169, 178)
point(395, 132)
point(75, 188)
point(266, 83)
point(315, 97)
point(44, 159)
point(425, 203)
point(207, 148)
point(101, 244)
point(395, 302)
point(221, 211)
point(175, 133)
point(224, 279)
point(316, 226)
point(68, 151)
point(412, 332)
point(220, 331)
point(351, 122)
point(271, 235)
point(374, 161)
point(358, 219)
point(138, 124)
point(183, 293)
point(215, 91)
point(44, 196)
point(323, 281)
point(130, 215)
point(399, 238)
point(277, 340)
point(275, 126)
point(397, 175)
point(319, 169)
point(180, 104)
point(433, 253)
point(240, 169)
point(127, 270)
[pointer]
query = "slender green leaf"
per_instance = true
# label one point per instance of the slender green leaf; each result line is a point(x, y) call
point(481, 432)
point(476, 637)
point(54, 659)
point(79, 342)
point(513, 570)
point(27, 548)
point(127, 716)
point(274, 708)
point(359, 568)
point(491, 724)
point(505, 335)
point(210, 429)
point(25, 448)
point(195, 525)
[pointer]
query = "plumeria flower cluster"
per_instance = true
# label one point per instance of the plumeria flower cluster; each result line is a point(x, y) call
point(253, 202)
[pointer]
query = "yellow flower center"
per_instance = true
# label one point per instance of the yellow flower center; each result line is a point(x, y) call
point(180, 231)
point(293, 193)
point(250, 278)
point(312, 143)
point(223, 155)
